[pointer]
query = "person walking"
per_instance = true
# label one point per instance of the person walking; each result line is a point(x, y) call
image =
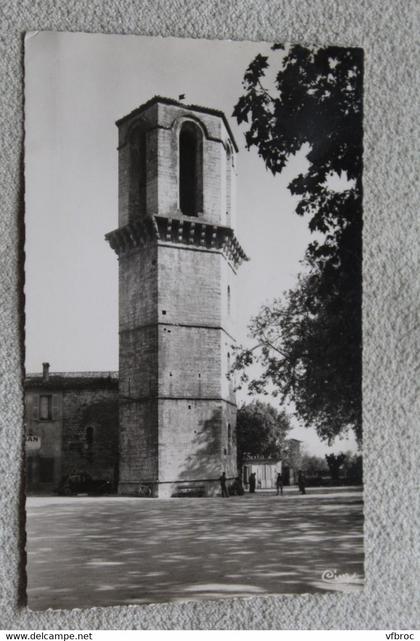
point(252, 483)
point(301, 482)
point(279, 484)
point(223, 487)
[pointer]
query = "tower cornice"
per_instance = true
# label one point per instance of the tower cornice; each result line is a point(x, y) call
point(177, 230)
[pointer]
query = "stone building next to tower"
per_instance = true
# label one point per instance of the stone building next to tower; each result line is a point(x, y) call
point(178, 258)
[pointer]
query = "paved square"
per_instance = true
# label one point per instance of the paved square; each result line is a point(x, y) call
point(102, 551)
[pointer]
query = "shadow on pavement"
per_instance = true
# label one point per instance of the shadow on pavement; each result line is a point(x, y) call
point(99, 552)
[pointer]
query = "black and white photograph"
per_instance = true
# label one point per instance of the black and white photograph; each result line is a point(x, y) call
point(193, 327)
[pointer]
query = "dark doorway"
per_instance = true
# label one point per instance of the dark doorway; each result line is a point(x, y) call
point(46, 470)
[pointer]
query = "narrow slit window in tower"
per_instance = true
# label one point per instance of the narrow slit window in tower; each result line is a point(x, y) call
point(89, 436)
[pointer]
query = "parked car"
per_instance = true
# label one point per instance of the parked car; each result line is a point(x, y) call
point(83, 484)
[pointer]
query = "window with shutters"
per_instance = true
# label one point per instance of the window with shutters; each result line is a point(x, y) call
point(45, 407)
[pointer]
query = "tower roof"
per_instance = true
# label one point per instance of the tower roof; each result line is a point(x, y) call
point(176, 103)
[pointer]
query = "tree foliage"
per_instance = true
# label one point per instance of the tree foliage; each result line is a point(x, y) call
point(310, 340)
point(335, 463)
point(305, 343)
point(314, 465)
point(353, 468)
point(260, 430)
point(345, 467)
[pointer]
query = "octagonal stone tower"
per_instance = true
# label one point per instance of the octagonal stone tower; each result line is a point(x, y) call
point(178, 257)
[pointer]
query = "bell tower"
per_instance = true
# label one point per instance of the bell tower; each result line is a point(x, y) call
point(178, 257)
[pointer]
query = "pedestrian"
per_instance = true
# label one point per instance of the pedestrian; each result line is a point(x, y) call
point(252, 482)
point(236, 488)
point(301, 482)
point(279, 484)
point(223, 487)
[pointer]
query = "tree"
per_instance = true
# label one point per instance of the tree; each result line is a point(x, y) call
point(335, 463)
point(353, 468)
point(305, 344)
point(260, 431)
point(310, 341)
point(314, 465)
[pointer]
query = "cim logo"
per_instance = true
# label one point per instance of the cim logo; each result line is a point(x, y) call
point(33, 442)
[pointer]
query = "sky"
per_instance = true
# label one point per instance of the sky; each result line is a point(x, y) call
point(76, 87)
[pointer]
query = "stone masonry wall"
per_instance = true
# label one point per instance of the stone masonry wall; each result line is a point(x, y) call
point(138, 354)
point(177, 406)
point(50, 433)
point(138, 292)
point(190, 362)
point(146, 121)
point(97, 409)
point(193, 444)
point(193, 365)
point(214, 162)
point(189, 285)
point(138, 444)
point(228, 307)
point(160, 124)
point(79, 435)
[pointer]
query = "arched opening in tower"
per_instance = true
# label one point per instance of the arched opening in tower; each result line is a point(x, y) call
point(190, 170)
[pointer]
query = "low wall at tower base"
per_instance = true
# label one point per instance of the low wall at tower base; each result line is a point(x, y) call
point(144, 490)
point(185, 489)
point(162, 490)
